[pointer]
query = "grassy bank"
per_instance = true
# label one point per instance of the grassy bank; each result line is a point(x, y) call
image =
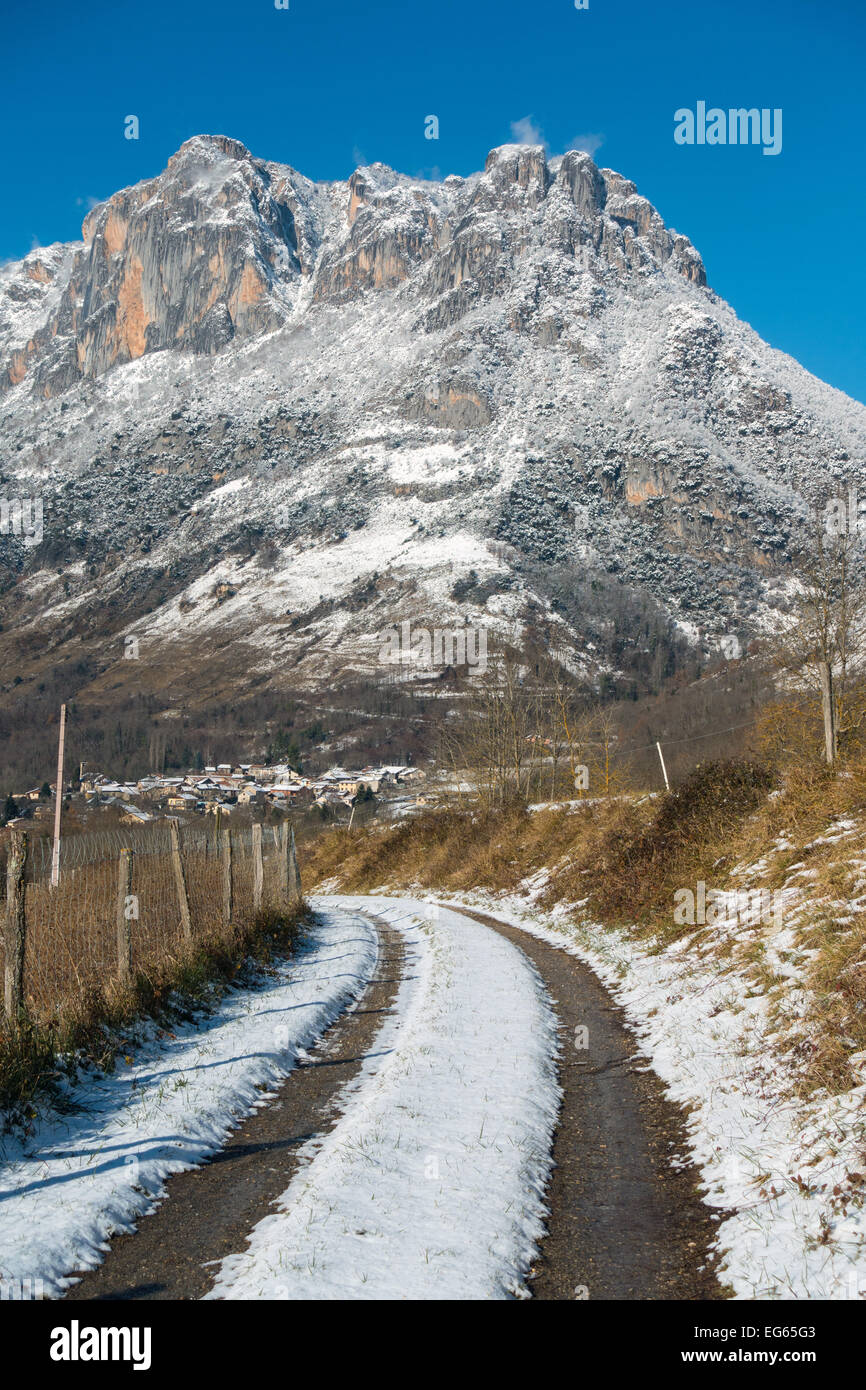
point(739, 828)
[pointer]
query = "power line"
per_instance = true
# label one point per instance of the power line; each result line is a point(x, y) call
point(693, 738)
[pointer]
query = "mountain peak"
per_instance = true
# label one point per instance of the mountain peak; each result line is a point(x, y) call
point(209, 147)
point(295, 413)
point(219, 245)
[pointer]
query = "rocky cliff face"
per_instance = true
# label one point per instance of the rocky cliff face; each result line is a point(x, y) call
point(218, 246)
point(340, 405)
point(208, 250)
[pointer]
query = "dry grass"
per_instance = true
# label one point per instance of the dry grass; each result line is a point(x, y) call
point(74, 998)
point(448, 849)
point(625, 854)
point(835, 1027)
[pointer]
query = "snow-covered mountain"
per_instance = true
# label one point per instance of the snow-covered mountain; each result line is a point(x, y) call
point(268, 418)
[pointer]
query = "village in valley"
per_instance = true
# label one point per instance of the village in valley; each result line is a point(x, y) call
point(225, 788)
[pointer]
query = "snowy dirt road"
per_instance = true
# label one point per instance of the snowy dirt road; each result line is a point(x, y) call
point(444, 1138)
point(625, 1218)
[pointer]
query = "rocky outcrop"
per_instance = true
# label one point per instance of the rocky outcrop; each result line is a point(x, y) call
point(216, 248)
point(391, 227)
point(189, 260)
point(456, 404)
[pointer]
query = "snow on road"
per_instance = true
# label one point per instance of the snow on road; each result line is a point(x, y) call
point(85, 1175)
point(431, 1184)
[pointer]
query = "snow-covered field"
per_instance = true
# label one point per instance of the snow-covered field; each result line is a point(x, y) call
point(81, 1177)
point(431, 1185)
point(791, 1173)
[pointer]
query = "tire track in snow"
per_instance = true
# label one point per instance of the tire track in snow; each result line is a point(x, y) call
point(626, 1219)
point(209, 1211)
point(431, 1184)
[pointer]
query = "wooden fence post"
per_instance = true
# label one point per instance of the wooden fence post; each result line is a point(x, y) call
point(180, 880)
point(294, 873)
point(124, 931)
point(227, 877)
point(284, 861)
point(258, 869)
point(16, 926)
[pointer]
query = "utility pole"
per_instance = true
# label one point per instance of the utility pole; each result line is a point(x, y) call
point(664, 769)
point(58, 801)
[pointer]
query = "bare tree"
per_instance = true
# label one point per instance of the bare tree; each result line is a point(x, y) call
point(491, 745)
point(827, 638)
point(604, 727)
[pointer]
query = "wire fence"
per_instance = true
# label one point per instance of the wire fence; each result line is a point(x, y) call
point(128, 901)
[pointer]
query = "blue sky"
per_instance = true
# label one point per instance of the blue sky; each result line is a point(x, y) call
point(326, 84)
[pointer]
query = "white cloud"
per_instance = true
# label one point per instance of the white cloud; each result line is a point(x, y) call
point(588, 143)
point(526, 132)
